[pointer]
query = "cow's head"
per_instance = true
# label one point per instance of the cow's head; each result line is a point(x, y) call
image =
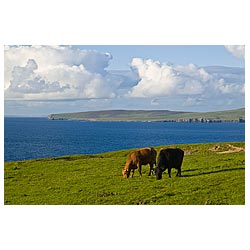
point(125, 173)
point(161, 165)
point(158, 173)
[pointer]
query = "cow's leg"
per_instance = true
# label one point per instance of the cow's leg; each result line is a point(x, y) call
point(154, 167)
point(128, 173)
point(169, 172)
point(139, 168)
point(133, 171)
point(178, 173)
point(151, 167)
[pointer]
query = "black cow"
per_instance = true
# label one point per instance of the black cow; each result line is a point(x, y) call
point(167, 159)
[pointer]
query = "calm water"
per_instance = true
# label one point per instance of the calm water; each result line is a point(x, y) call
point(28, 138)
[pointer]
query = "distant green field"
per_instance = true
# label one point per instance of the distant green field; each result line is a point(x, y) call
point(212, 173)
point(150, 115)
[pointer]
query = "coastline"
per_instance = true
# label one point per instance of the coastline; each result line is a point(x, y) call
point(153, 116)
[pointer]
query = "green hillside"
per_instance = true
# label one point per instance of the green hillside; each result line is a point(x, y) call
point(212, 173)
point(150, 115)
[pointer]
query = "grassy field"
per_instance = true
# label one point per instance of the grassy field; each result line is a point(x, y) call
point(150, 115)
point(211, 174)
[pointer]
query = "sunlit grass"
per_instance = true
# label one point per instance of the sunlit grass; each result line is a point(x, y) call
point(208, 177)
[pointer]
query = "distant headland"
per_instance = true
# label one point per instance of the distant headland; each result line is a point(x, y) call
point(237, 115)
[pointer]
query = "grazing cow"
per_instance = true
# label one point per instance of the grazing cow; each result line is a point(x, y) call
point(138, 158)
point(167, 159)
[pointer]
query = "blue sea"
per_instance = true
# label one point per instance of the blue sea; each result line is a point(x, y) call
point(30, 138)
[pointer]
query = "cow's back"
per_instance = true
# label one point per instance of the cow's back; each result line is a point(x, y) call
point(173, 156)
point(146, 155)
point(143, 155)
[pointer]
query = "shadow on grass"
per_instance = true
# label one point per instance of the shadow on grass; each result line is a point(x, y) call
point(190, 170)
point(213, 172)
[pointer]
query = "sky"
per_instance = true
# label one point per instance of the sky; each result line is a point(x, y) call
point(202, 55)
point(40, 80)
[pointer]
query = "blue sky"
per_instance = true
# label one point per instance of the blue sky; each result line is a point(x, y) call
point(40, 80)
point(201, 55)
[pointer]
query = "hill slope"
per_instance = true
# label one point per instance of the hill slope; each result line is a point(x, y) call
point(211, 174)
point(150, 115)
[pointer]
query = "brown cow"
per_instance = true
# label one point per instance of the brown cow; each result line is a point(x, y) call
point(138, 158)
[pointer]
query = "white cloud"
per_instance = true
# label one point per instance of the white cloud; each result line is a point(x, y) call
point(155, 79)
point(155, 102)
point(57, 72)
point(159, 80)
point(25, 81)
point(189, 84)
point(225, 88)
point(236, 50)
point(193, 101)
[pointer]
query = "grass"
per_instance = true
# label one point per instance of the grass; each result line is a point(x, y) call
point(150, 115)
point(211, 174)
